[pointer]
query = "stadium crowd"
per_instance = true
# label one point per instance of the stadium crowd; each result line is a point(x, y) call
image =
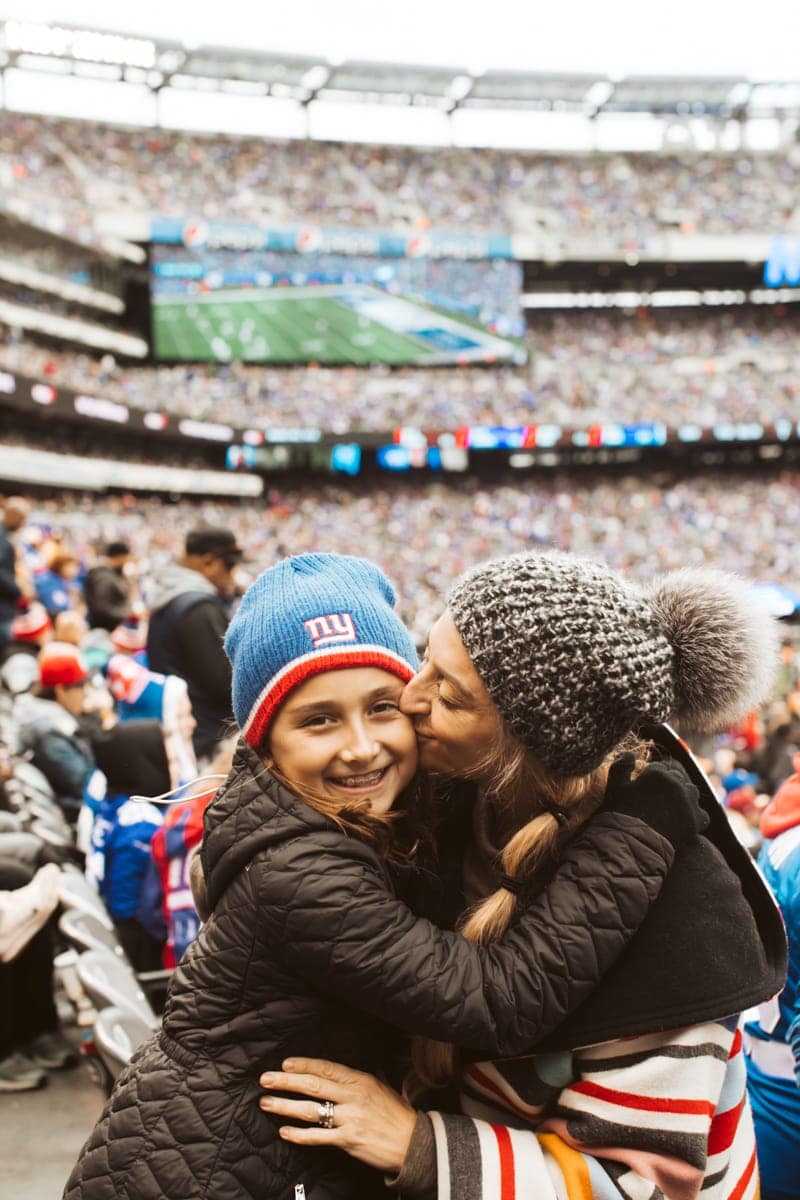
point(65, 262)
point(85, 168)
point(98, 694)
point(584, 368)
point(424, 534)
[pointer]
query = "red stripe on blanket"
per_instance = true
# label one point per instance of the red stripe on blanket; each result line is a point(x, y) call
point(737, 1043)
point(747, 1175)
point(508, 1185)
point(506, 1100)
point(645, 1103)
point(723, 1129)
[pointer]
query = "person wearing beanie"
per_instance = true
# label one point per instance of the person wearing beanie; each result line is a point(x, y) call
point(546, 682)
point(773, 1041)
point(29, 631)
point(51, 724)
point(318, 830)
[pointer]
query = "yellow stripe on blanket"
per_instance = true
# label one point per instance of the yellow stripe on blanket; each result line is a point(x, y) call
point(572, 1164)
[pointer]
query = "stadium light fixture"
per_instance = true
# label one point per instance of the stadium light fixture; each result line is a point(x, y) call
point(316, 77)
point(460, 87)
point(38, 62)
point(57, 41)
point(597, 95)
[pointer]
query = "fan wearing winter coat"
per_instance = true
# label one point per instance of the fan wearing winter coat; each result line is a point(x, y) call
point(544, 680)
point(307, 946)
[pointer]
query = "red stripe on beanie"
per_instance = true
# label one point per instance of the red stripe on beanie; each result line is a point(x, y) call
point(314, 664)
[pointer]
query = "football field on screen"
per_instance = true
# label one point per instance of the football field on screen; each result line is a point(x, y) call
point(333, 324)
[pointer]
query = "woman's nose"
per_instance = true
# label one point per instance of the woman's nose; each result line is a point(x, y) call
point(414, 697)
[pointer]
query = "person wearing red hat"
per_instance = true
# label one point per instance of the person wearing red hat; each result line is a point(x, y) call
point(50, 724)
point(773, 1059)
point(29, 631)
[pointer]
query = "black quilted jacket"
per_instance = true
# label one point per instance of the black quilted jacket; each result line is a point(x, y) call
point(304, 931)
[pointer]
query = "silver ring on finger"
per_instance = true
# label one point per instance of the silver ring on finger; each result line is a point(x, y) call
point(325, 1111)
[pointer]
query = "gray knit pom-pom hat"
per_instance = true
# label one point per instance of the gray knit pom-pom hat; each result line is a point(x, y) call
point(575, 657)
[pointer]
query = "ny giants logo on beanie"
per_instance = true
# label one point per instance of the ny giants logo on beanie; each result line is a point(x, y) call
point(335, 627)
point(309, 614)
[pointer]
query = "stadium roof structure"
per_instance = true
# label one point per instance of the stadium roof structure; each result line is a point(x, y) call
point(160, 63)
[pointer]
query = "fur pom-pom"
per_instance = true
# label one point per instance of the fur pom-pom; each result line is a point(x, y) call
point(726, 648)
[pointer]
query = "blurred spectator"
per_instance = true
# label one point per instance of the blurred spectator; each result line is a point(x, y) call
point(50, 725)
point(773, 1066)
point(30, 1039)
point(70, 626)
point(56, 586)
point(188, 619)
point(142, 694)
point(14, 515)
point(106, 590)
point(30, 630)
point(167, 906)
point(133, 758)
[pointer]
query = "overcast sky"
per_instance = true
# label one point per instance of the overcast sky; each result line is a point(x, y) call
point(760, 39)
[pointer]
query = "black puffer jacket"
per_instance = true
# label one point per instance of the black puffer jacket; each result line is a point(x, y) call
point(304, 927)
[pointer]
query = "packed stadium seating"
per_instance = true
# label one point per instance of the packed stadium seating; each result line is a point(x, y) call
point(85, 168)
point(424, 534)
point(585, 367)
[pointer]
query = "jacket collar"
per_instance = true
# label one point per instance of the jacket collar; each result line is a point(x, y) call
point(252, 813)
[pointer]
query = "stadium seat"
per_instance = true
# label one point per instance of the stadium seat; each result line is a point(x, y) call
point(32, 779)
point(118, 1033)
point(76, 892)
point(85, 931)
point(108, 981)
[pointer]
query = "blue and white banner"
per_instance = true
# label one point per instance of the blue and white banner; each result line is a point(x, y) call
point(307, 239)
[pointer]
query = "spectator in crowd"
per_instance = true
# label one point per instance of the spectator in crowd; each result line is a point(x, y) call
point(142, 694)
point(189, 612)
point(106, 590)
point(57, 587)
point(51, 725)
point(167, 907)
point(14, 515)
point(31, 1042)
point(70, 626)
point(30, 630)
point(133, 758)
point(773, 1056)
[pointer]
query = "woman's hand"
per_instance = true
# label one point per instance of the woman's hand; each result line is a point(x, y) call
point(370, 1121)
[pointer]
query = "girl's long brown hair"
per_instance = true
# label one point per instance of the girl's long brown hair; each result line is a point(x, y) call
point(521, 782)
point(396, 834)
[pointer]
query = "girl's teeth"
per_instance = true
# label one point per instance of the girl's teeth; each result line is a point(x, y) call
point(361, 780)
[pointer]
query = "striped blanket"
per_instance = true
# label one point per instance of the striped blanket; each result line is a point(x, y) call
point(644, 1118)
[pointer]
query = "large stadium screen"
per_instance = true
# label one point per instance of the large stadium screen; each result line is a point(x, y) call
point(281, 307)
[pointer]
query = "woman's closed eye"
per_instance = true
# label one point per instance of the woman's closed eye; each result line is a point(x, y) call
point(445, 702)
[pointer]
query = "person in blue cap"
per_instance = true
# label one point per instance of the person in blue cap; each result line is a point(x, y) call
point(319, 829)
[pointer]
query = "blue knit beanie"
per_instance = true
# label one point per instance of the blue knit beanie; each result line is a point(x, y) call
point(308, 614)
